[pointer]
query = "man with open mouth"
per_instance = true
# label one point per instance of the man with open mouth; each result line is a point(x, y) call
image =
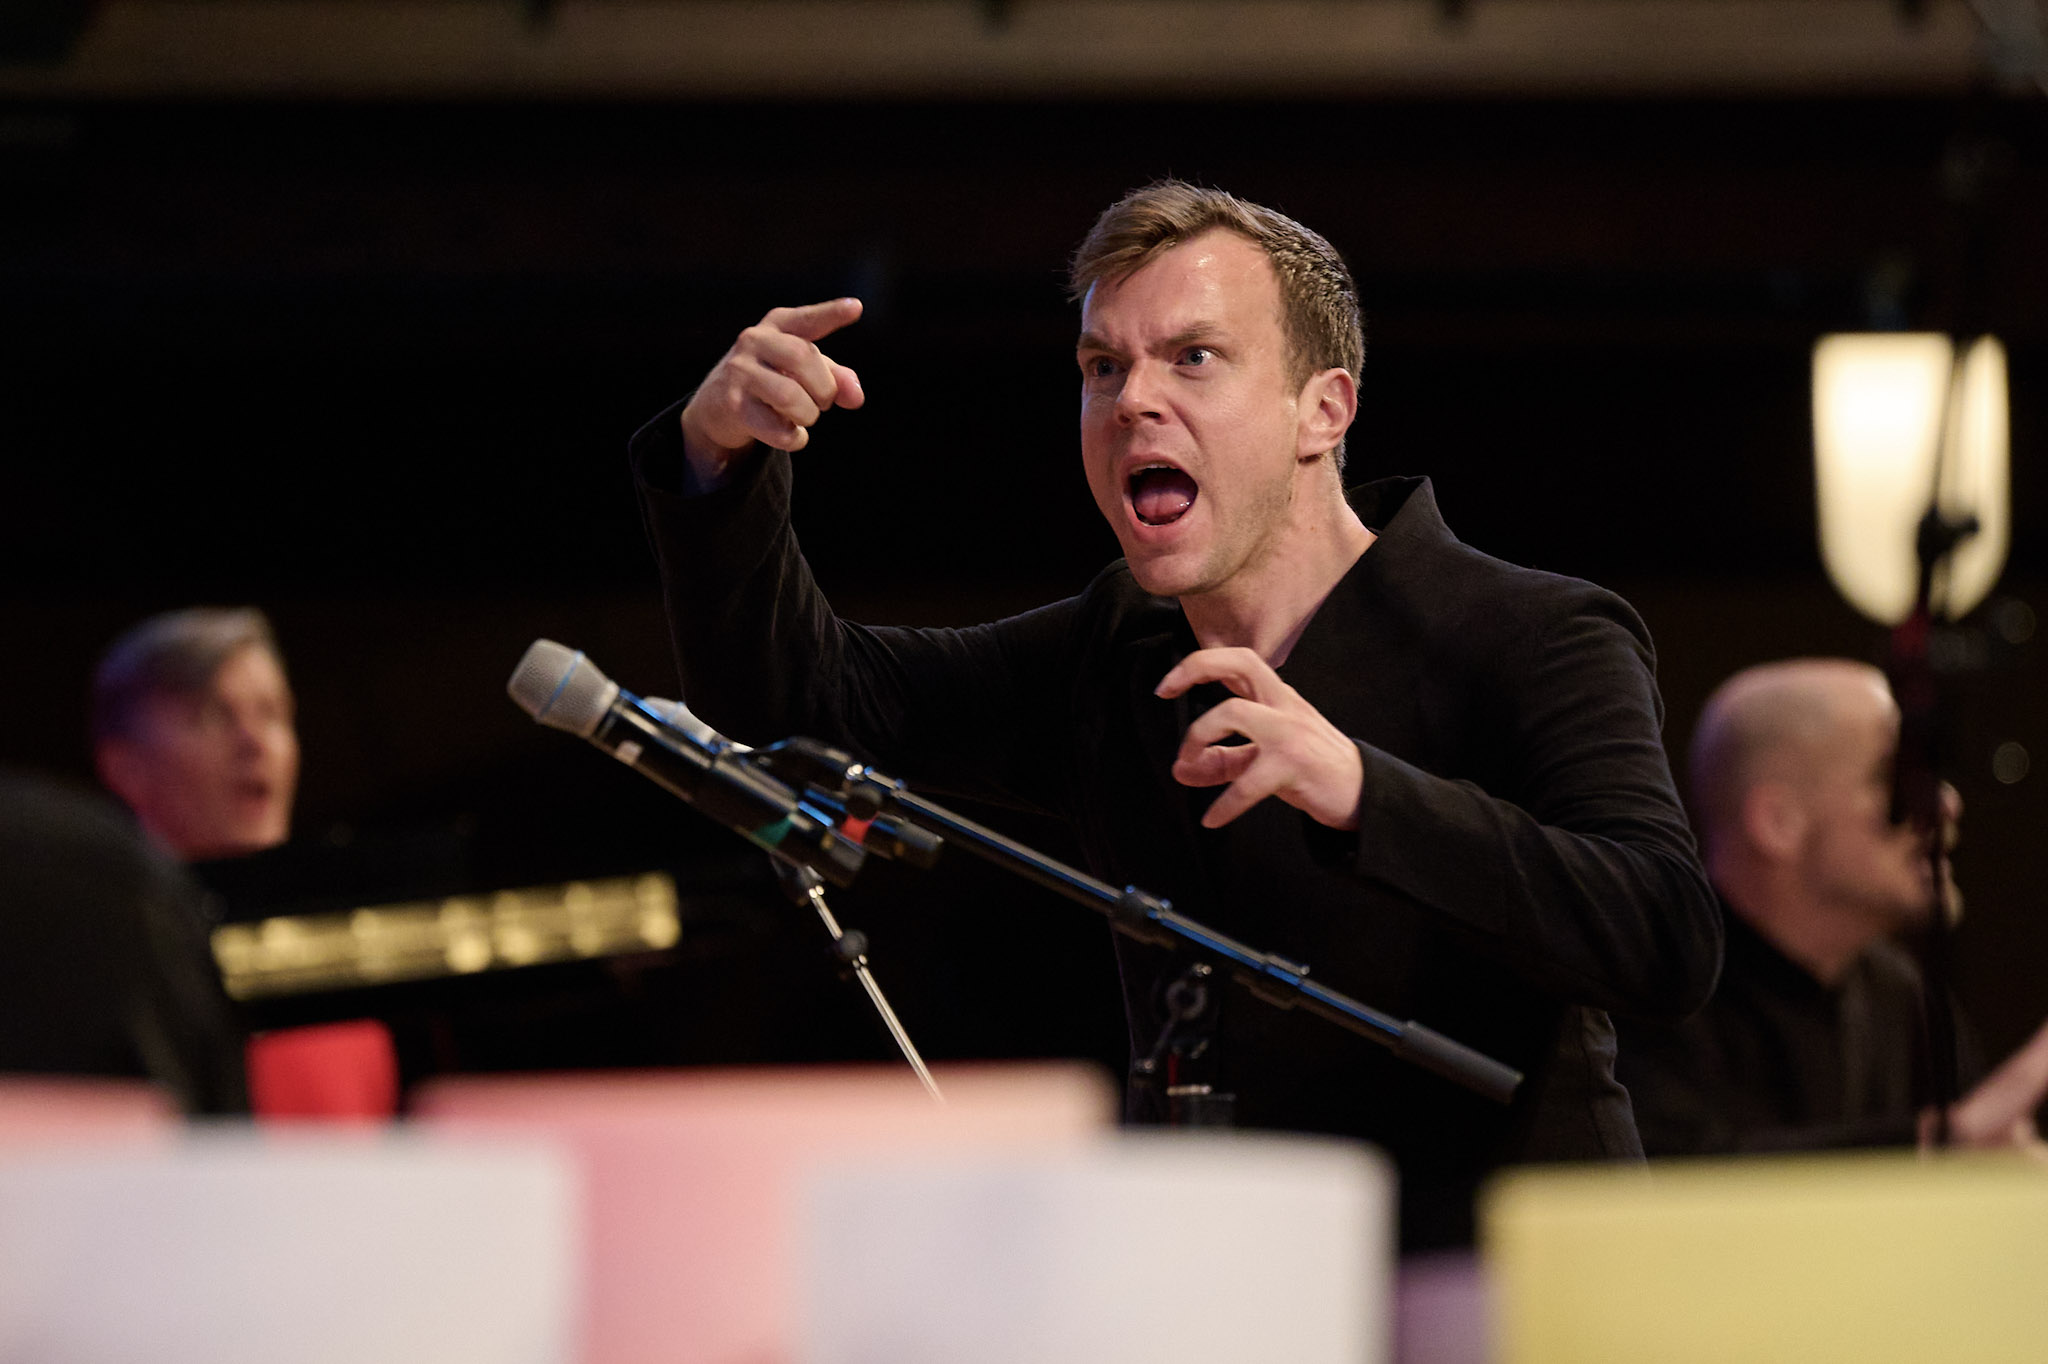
point(1315, 721)
point(193, 729)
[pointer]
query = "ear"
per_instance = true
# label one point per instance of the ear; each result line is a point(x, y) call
point(1327, 404)
point(1774, 819)
point(122, 768)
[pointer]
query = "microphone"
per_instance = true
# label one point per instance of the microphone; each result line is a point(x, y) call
point(562, 689)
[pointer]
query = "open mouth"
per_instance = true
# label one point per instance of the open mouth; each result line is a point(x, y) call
point(1161, 494)
point(254, 790)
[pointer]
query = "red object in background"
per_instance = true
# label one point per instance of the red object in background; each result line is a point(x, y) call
point(333, 1070)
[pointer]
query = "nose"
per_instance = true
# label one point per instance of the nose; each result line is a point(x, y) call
point(1138, 397)
point(255, 734)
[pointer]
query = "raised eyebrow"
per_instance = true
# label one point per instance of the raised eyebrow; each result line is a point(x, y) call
point(1202, 333)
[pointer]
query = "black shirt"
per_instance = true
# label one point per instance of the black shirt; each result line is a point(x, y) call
point(1779, 1061)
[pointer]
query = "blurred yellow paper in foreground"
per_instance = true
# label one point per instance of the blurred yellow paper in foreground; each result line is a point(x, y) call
point(1863, 1257)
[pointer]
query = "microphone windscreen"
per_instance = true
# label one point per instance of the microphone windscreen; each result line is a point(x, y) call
point(558, 686)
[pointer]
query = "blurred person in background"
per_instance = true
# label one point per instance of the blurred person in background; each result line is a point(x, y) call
point(1814, 1036)
point(192, 727)
point(105, 961)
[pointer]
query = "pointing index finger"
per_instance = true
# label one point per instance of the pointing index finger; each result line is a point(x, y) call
point(816, 321)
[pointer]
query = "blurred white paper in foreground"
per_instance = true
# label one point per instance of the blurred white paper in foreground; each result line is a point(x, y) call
point(228, 1248)
point(1191, 1248)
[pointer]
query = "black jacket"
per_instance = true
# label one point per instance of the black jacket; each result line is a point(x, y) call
point(1522, 861)
point(1779, 1061)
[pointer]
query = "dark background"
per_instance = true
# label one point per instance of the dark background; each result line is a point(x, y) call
point(372, 366)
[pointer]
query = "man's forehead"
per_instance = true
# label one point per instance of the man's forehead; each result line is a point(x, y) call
point(251, 663)
point(1199, 283)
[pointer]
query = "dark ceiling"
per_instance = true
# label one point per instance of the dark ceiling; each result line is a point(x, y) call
point(370, 348)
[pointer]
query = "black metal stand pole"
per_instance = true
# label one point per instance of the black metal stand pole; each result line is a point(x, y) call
point(1916, 797)
point(1148, 918)
point(869, 799)
point(805, 886)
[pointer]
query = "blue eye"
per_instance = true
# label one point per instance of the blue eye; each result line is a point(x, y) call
point(1098, 367)
point(1196, 355)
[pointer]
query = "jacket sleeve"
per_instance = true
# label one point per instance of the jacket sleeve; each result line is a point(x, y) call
point(762, 656)
point(1579, 870)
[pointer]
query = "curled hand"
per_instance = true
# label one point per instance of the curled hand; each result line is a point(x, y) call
point(1290, 750)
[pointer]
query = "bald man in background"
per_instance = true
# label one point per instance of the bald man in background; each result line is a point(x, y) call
point(1813, 1038)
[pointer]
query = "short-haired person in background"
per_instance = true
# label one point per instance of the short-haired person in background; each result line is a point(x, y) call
point(1813, 1038)
point(192, 727)
point(105, 962)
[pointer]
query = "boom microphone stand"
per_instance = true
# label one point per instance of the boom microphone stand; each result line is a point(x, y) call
point(819, 814)
point(804, 886)
point(834, 778)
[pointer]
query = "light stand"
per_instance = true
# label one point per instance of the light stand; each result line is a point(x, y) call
point(1916, 798)
point(1920, 428)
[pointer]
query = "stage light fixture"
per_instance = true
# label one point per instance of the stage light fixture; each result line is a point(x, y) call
point(1889, 408)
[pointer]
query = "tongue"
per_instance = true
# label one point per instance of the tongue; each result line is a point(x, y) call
point(1162, 495)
